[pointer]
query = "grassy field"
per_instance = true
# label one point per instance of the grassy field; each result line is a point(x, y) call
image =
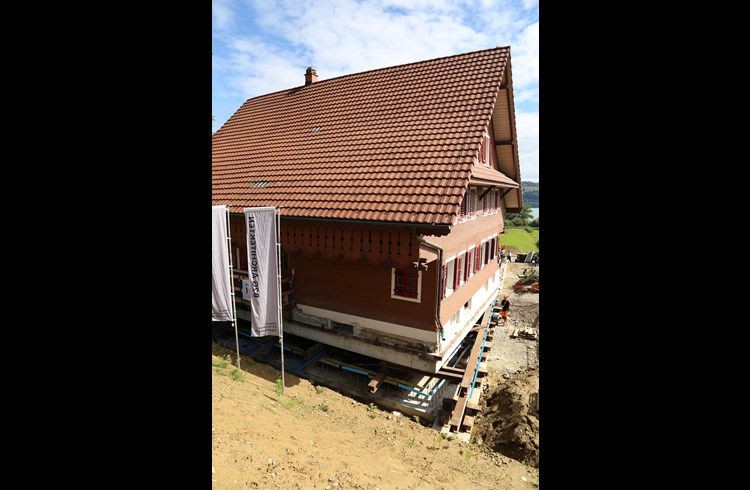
point(519, 240)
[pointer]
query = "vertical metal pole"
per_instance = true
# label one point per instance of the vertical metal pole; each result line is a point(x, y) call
point(231, 287)
point(278, 292)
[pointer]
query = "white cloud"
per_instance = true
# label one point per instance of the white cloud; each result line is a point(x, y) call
point(223, 16)
point(525, 57)
point(346, 36)
point(265, 46)
point(527, 130)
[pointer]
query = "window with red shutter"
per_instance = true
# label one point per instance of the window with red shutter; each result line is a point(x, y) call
point(445, 278)
point(457, 275)
point(469, 264)
point(406, 283)
point(489, 152)
point(484, 150)
point(487, 252)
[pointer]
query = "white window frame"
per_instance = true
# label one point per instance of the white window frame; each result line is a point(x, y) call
point(418, 299)
point(462, 272)
point(450, 276)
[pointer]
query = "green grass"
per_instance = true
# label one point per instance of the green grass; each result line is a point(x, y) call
point(290, 403)
point(220, 362)
point(237, 375)
point(518, 240)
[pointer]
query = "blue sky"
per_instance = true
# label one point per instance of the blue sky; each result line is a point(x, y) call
point(262, 46)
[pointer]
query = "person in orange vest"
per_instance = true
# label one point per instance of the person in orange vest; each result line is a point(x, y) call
point(505, 304)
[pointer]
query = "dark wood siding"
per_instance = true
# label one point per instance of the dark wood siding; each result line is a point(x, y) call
point(361, 289)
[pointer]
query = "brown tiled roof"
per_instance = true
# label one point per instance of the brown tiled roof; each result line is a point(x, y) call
point(394, 144)
point(481, 175)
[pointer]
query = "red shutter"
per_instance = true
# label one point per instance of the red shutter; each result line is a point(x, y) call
point(489, 152)
point(457, 275)
point(477, 258)
point(445, 278)
point(412, 279)
point(467, 269)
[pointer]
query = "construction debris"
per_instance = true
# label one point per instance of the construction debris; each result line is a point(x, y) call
point(525, 333)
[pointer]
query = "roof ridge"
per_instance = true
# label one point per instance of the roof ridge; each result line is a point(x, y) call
point(296, 87)
point(415, 62)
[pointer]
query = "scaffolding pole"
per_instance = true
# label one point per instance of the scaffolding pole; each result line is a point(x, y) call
point(231, 287)
point(279, 315)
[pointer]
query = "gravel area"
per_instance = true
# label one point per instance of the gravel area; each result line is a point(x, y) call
point(508, 355)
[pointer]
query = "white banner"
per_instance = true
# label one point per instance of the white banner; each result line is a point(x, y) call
point(262, 267)
point(221, 296)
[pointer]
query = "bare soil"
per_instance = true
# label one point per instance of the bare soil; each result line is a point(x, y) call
point(315, 438)
point(509, 421)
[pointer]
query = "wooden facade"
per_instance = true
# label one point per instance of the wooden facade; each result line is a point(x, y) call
point(341, 275)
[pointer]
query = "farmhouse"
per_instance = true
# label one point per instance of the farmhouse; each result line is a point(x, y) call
point(393, 184)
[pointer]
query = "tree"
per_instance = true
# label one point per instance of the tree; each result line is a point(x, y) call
point(520, 219)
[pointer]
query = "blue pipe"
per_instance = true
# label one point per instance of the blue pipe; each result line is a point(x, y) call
point(278, 344)
point(251, 352)
point(484, 340)
point(434, 390)
point(401, 385)
point(314, 358)
point(358, 371)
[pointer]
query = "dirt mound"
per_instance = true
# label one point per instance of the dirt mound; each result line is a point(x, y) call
point(509, 421)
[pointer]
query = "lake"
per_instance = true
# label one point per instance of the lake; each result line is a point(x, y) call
point(535, 212)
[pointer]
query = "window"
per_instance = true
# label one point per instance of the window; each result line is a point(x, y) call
point(485, 155)
point(406, 284)
point(450, 278)
point(472, 202)
point(443, 278)
point(460, 270)
point(489, 151)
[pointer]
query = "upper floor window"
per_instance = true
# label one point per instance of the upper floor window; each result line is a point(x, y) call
point(485, 155)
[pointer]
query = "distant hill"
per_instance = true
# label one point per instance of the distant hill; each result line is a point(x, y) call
point(530, 193)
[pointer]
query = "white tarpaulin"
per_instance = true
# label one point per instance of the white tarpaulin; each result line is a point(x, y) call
point(221, 296)
point(263, 272)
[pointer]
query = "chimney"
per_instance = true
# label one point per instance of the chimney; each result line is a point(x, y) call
point(311, 76)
